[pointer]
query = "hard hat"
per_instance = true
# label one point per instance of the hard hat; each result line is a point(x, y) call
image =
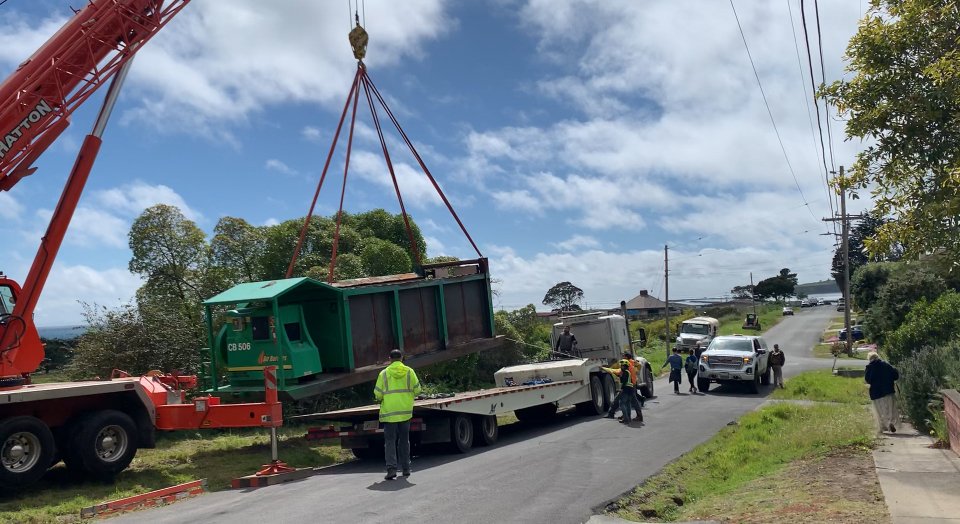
point(624, 362)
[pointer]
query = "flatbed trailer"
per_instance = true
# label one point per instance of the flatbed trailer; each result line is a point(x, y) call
point(530, 391)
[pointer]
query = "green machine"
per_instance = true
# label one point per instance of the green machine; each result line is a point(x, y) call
point(324, 337)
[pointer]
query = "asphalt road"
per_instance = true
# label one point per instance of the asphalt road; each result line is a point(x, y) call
point(562, 472)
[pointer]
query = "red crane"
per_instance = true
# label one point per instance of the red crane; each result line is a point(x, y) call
point(35, 107)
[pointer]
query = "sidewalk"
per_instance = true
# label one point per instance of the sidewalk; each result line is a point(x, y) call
point(919, 483)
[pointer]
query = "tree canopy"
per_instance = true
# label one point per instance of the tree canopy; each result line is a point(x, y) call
point(563, 296)
point(903, 99)
point(778, 287)
point(163, 328)
point(860, 234)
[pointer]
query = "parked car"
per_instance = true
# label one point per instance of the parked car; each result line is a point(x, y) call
point(806, 303)
point(820, 302)
point(856, 333)
point(788, 311)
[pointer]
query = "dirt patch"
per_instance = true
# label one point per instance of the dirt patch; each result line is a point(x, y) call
point(840, 487)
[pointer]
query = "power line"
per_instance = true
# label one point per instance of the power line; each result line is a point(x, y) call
point(769, 112)
point(813, 133)
point(813, 88)
point(823, 78)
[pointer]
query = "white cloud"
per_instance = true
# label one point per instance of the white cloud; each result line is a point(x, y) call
point(131, 199)
point(69, 285)
point(10, 209)
point(608, 277)
point(222, 61)
point(271, 221)
point(311, 134)
point(415, 187)
point(578, 242)
point(277, 165)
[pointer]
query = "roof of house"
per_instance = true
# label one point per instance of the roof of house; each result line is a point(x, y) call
point(645, 301)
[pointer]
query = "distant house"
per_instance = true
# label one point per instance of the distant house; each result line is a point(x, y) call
point(645, 306)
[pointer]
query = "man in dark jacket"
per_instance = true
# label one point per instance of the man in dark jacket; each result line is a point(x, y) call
point(777, 360)
point(881, 377)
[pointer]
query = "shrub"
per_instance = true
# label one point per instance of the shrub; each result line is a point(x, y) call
point(932, 324)
point(922, 375)
point(897, 296)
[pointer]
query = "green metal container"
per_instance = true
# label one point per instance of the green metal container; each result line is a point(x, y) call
point(325, 337)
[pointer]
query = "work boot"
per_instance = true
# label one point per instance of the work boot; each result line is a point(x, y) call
point(609, 416)
point(406, 473)
point(391, 474)
point(893, 429)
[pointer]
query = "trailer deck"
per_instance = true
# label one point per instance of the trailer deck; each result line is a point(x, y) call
point(480, 402)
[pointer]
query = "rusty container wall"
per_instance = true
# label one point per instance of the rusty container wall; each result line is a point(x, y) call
point(418, 317)
point(372, 327)
point(467, 305)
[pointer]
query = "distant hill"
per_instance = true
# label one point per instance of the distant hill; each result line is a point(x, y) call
point(818, 288)
point(61, 332)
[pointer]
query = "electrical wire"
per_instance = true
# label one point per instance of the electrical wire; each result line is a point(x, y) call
point(770, 113)
point(813, 133)
point(813, 88)
point(823, 78)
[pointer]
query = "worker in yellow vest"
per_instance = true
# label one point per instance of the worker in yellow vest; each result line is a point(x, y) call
point(396, 388)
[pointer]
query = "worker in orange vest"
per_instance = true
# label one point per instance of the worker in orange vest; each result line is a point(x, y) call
point(633, 402)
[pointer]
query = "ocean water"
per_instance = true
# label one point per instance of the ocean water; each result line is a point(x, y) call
point(61, 332)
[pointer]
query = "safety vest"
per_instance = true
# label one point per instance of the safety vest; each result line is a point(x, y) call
point(396, 387)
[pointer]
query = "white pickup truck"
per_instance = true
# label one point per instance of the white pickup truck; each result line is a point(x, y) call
point(735, 358)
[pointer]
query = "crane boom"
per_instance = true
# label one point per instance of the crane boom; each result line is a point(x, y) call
point(35, 106)
point(37, 99)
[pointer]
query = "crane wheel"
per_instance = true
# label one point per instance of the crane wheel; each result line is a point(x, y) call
point(27, 451)
point(485, 430)
point(103, 443)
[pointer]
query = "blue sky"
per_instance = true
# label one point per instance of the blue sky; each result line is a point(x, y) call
point(575, 138)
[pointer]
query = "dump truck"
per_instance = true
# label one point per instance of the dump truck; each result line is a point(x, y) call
point(532, 392)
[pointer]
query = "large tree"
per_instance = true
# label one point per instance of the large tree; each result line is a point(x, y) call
point(563, 296)
point(860, 234)
point(903, 100)
point(778, 287)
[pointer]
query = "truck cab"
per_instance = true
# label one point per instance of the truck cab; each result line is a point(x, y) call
point(735, 358)
point(697, 329)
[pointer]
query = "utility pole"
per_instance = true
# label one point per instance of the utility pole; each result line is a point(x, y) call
point(666, 293)
point(846, 265)
point(844, 220)
point(753, 296)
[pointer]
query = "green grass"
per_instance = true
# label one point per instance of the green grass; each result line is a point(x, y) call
point(179, 457)
point(770, 315)
point(763, 443)
point(823, 386)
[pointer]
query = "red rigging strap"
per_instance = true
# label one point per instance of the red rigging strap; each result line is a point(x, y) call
point(362, 79)
point(386, 155)
point(343, 188)
point(323, 175)
point(423, 166)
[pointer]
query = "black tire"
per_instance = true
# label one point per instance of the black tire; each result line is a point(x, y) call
point(703, 385)
point(754, 385)
point(485, 430)
point(647, 388)
point(26, 453)
point(461, 433)
point(765, 378)
point(102, 444)
point(609, 391)
point(594, 406)
point(536, 413)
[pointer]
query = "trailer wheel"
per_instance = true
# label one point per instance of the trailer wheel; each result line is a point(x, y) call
point(461, 433)
point(594, 406)
point(703, 385)
point(485, 430)
point(27, 451)
point(609, 391)
point(647, 388)
point(103, 443)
